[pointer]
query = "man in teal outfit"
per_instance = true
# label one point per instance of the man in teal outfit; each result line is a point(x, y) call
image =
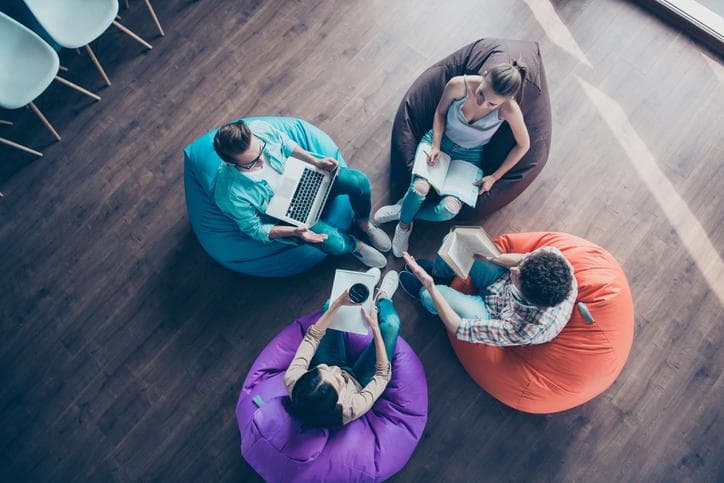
point(254, 156)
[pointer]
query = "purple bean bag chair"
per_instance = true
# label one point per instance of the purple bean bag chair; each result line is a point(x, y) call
point(371, 448)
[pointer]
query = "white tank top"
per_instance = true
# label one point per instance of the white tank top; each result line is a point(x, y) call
point(470, 135)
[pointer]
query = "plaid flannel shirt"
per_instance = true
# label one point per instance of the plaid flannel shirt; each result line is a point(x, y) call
point(514, 322)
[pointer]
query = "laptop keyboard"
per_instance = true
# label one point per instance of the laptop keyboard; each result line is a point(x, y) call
point(305, 195)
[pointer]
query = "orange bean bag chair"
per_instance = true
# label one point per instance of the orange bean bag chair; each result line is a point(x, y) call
point(584, 359)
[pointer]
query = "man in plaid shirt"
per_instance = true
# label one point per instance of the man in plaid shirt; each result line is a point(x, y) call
point(524, 298)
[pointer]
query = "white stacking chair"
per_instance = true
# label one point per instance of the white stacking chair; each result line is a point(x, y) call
point(17, 145)
point(27, 67)
point(76, 23)
point(153, 16)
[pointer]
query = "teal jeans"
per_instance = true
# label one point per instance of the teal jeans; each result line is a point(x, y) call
point(483, 273)
point(356, 185)
point(333, 352)
point(413, 204)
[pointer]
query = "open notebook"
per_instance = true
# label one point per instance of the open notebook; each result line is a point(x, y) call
point(349, 317)
point(462, 244)
point(449, 176)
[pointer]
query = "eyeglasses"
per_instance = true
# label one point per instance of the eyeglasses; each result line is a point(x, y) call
point(253, 162)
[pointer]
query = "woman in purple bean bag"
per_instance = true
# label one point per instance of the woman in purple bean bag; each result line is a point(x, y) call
point(371, 448)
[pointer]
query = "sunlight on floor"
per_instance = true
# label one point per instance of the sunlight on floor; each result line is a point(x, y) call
point(692, 234)
point(555, 29)
point(715, 66)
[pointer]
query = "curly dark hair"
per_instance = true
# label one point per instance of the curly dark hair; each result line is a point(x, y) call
point(545, 279)
point(315, 402)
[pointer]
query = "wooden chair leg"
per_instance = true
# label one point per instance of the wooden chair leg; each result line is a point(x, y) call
point(132, 35)
point(77, 88)
point(45, 121)
point(21, 147)
point(155, 18)
point(97, 64)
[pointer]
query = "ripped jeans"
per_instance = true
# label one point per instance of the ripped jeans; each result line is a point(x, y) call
point(413, 204)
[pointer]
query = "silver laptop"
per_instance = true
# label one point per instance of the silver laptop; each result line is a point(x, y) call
point(302, 193)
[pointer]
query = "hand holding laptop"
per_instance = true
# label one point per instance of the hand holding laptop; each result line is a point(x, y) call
point(327, 164)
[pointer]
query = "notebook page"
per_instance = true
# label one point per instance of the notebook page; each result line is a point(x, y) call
point(459, 181)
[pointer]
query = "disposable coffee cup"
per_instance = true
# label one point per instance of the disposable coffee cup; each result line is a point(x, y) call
point(358, 293)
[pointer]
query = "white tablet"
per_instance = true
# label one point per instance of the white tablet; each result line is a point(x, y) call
point(349, 317)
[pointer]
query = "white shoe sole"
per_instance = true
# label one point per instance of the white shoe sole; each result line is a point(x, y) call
point(390, 284)
point(398, 248)
point(384, 248)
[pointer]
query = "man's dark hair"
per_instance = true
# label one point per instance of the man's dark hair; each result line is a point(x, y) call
point(315, 402)
point(545, 279)
point(232, 138)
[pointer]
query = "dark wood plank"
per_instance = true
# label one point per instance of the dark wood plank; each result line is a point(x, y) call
point(125, 345)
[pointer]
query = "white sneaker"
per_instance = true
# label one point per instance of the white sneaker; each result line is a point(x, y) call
point(388, 213)
point(378, 238)
point(370, 256)
point(401, 240)
point(389, 285)
point(377, 274)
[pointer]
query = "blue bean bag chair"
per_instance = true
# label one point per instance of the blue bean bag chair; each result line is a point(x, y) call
point(372, 448)
point(220, 236)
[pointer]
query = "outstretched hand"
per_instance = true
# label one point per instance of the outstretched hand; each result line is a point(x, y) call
point(424, 277)
point(309, 236)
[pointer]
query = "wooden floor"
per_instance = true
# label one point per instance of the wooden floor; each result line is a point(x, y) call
point(124, 345)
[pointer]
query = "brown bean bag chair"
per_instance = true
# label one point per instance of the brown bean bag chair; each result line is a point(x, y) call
point(415, 114)
point(584, 359)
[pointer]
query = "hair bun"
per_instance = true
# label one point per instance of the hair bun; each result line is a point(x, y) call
point(520, 67)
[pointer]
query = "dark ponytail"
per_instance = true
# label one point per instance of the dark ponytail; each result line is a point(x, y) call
point(523, 71)
point(315, 402)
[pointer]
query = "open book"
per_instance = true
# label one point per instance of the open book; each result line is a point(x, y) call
point(449, 177)
point(462, 244)
point(349, 317)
